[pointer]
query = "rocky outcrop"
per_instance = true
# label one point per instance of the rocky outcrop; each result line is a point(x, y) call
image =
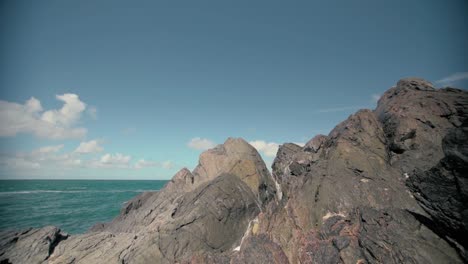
point(33, 245)
point(415, 118)
point(368, 235)
point(385, 186)
point(197, 216)
point(366, 163)
point(443, 189)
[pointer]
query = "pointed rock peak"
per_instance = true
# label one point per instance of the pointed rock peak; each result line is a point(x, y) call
point(182, 180)
point(238, 145)
point(182, 174)
point(415, 83)
point(237, 157)
point(315, 143)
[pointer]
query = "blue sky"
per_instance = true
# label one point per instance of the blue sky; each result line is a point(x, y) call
point(137, 89)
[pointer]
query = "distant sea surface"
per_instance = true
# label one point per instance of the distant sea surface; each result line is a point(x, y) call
point(72, 205)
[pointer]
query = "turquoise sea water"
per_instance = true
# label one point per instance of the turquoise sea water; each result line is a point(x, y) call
point(72, 205)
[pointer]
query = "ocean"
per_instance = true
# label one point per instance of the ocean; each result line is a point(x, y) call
point(72, 205)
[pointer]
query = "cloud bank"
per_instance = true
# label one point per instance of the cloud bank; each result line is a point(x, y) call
point(31, 118)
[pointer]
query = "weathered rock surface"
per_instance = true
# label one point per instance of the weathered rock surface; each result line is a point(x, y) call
point(33, 245)
point(443, 189)
point(368, 235)
point(199, 212)
point(385, 186)
point(365, 162)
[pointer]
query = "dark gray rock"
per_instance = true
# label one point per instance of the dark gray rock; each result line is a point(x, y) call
point(365, 163)
point(415, 119)
point(443, 189)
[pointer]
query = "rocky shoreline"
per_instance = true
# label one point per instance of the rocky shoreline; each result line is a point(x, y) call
point(385, 186)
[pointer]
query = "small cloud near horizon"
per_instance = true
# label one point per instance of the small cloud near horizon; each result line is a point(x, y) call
point(268, 149)
point(142, 163)
point(89, 147)
point(201, 143)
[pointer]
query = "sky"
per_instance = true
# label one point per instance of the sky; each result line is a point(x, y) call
point(138, 89)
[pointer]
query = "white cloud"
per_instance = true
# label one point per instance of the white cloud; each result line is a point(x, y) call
point(458, 76)
point(145, 164)
point(49, 149)
point(47, 156)
point(51, 158)
point(68, 114)
point(52, 124)
point(18, 163)
point(167, 164)
point(115, 159)
point(269, 149)
point(201, 143)
point(33, 105)
point(89, 147)
point(140, 164)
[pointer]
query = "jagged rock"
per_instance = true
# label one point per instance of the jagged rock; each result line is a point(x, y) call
point(95, 247)
point(315, 144)
point(33, 245)
point(415, 83)
point(210, 219)
point(260, 249)
point(199, 212)
point(368, 235)
point(365, 161)
point(415, 119)
point(385, 186)
point(443, 189)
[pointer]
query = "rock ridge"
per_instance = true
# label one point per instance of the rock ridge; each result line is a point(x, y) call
point(384, 186)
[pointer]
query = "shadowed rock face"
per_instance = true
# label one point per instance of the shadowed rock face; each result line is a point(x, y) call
point(443, 189)
point(385, 186)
